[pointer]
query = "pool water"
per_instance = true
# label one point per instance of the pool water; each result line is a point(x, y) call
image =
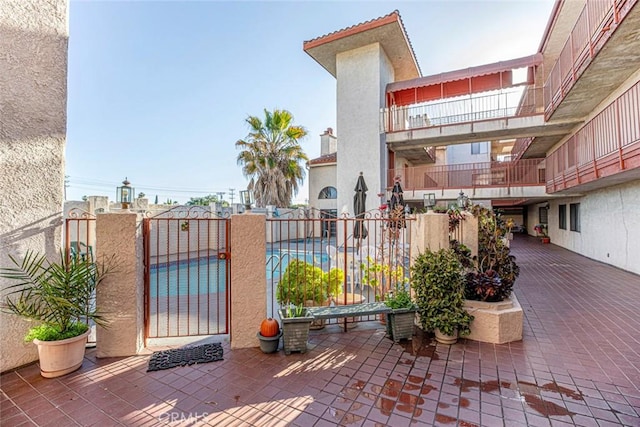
point(207, 275)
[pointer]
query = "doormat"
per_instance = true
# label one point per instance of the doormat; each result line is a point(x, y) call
point(185, 356)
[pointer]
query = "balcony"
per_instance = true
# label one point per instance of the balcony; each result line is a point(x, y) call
point(605, 151)
point(491, 180)
point(599, 55)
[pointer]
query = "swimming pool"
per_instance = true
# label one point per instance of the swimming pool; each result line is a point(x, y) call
point(207, 275)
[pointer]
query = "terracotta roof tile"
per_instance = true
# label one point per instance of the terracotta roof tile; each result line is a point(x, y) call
point(367, 24)
point(327, 158)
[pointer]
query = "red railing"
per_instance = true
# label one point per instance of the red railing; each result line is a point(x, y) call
point(517, 101)
point(606, 145)
point(471, 175)
point(595, 25)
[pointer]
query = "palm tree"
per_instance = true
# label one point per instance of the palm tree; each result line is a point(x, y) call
point(272, 157)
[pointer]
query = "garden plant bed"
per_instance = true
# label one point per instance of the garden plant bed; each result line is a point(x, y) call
point(495, 322)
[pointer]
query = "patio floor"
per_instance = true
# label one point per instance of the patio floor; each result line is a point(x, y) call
point(578, 364)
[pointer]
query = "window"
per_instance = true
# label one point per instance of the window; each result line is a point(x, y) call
point(543, 214)
point(562, 217)
point(479, 148)
point(574, 216)
point(328, 193)
point(328, 222)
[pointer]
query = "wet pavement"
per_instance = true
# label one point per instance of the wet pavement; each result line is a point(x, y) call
point(578, 364)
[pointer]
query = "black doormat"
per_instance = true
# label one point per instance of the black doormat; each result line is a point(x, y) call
point(185, 356)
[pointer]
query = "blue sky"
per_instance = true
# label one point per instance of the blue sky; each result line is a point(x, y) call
point(159, 91)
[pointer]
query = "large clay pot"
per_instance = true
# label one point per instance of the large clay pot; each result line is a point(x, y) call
point(61, 357)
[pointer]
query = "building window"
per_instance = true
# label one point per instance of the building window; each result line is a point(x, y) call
point(574, 216)
point(328, 193)
point(543, 214)
point(479, 148)
point(562, 217)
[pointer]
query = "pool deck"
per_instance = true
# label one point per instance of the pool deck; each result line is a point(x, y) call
point(578, 364)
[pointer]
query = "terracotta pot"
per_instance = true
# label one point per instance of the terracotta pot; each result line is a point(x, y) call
point(545, 240)
point(61, 357)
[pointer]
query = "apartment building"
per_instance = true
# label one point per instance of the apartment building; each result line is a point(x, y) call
point(552, 138)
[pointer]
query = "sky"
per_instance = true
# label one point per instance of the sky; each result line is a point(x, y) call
point(158, 91)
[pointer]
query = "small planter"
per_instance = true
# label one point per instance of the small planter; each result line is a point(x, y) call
point(545, 240)
point(446, 339)
point(269, 344)
point(295, 332)
point(400, 323)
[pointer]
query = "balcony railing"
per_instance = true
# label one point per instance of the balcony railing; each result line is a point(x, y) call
point(606, 145)
point(594, 26)
point(471, 175)
point(512, 102)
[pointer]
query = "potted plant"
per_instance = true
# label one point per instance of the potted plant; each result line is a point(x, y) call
point(269, 335)
point(304, 284)
point(493, 271)
point(438, 282)
point(295, 328)
point(402, 316)
point(60, 297)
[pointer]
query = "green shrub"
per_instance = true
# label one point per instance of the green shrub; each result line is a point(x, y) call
point(438, 283)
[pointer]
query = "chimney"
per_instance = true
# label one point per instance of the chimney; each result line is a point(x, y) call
point(328, 142)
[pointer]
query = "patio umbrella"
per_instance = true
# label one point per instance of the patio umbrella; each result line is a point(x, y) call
point(396, 206)
point(359, 207)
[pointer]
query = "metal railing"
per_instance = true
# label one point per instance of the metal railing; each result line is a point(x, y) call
point(518, 101)
point(606, 145)
point(370, 266)
point(525, 172)
point(594, 26)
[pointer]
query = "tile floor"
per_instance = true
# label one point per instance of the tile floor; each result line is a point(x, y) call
point(578, 364)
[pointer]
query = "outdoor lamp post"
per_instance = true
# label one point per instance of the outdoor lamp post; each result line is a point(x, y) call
point(463, 201)
point(124, 194)
point(246, 198)
point(429, 200)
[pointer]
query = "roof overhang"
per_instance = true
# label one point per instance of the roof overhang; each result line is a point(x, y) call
point(387, 30)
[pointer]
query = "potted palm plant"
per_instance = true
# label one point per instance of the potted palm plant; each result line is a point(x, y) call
point(59, 296)
point(438, 281)
point(402, 316)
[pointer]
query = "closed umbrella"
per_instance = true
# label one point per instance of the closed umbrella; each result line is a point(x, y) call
point(359, 207)
point(396, 206)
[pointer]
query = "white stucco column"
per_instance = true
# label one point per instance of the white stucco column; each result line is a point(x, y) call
point(362, 75)
point(120, 297)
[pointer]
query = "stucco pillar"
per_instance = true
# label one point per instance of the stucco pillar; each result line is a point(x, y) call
point(248, 278)
point(430, 232)
point(121, 295)
point(470, 232)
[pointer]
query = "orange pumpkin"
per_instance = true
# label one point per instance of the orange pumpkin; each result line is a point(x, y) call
point(269, 327)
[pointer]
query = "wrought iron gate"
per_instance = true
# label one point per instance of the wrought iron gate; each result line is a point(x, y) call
point(187, 270)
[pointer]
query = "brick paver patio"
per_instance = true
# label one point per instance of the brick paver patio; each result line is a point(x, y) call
point(578, 364)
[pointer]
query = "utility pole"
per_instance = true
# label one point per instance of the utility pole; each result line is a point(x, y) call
point(231, 194)
point(66, 184)
point(220, 194)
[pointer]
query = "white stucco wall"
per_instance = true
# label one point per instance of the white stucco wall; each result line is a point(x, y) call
point(362, 75)
point(321, 176)
point(461, 153)
point(609, 226)
point(33, 78)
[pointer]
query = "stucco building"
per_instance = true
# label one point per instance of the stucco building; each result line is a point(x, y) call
point(552, 138)
point(33, 113)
